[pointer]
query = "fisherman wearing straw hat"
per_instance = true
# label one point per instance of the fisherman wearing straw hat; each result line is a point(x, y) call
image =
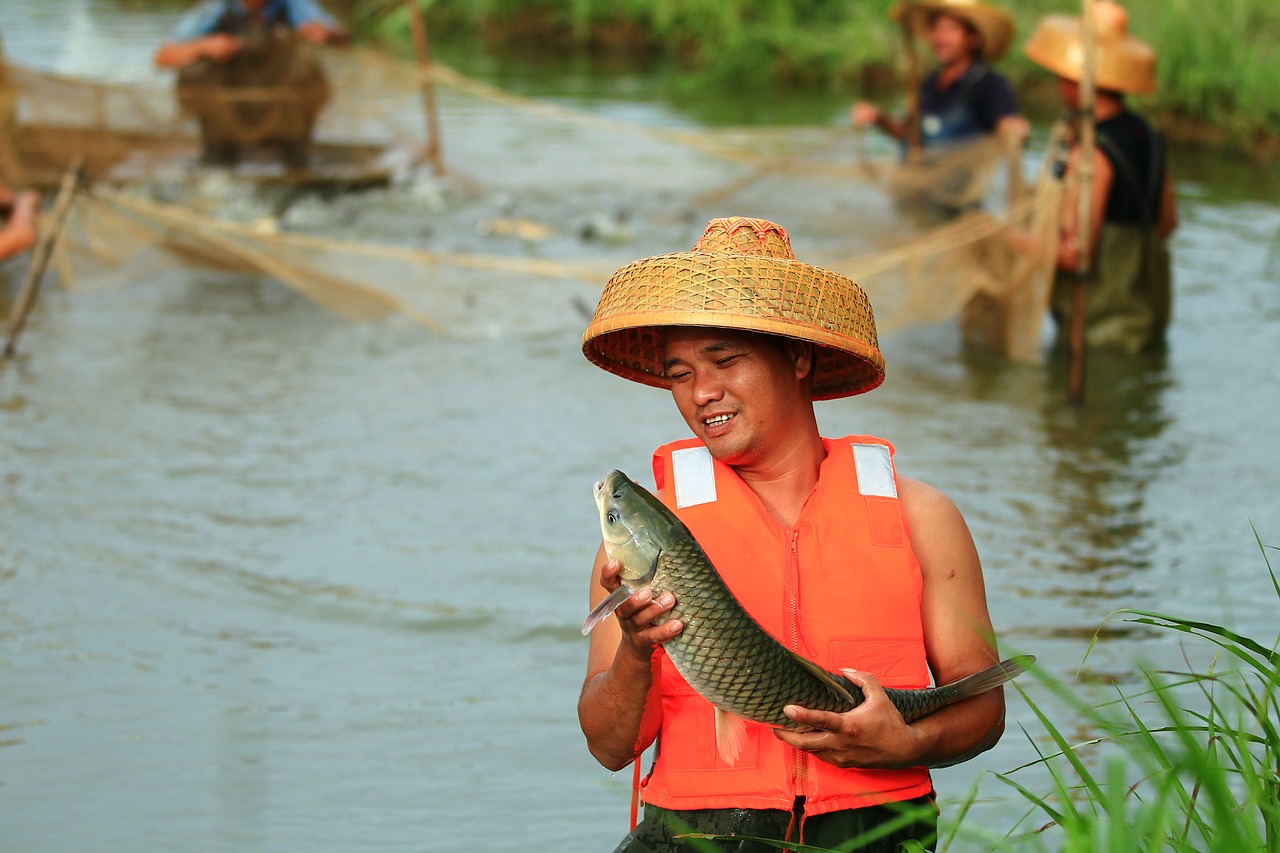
point(247, 73)
point(963, 98)
point(833, 552)
point(1128, 296)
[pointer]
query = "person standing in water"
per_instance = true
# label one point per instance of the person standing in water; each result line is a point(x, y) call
point(223, 49)
point(841, 558)
point(963, 99)
point(1128, 292)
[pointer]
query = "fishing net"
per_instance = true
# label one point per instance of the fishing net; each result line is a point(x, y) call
point(540, 204)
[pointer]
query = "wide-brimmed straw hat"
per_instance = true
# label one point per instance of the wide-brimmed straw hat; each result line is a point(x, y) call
point(1124, 64)
point(993, 25)
point(741, 274)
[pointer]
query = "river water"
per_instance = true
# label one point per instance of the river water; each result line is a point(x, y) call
point(273, 581)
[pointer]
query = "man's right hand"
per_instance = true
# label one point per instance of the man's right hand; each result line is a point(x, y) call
point(864, 114)
point(620, 708)
point(220, 47)
point(636, 615)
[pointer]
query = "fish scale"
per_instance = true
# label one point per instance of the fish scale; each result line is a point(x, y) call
point(722, 652)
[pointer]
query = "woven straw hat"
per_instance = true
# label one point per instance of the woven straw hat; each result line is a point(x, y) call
point(743, 275)
point(993, 24)
point(1124, 64)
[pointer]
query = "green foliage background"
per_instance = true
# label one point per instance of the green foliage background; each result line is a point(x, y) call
point(1217, 62)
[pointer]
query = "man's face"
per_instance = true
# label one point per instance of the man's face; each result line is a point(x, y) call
point(1069, 90)
point(951, 40)
point(738, 391)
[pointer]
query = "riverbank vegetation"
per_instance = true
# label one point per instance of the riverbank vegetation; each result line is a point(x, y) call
point(1217, 62)
point(1186, 762)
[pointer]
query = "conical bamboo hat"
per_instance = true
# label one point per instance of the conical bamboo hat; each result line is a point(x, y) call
point(993, 25)
point(741, 274)
point(1124, 64)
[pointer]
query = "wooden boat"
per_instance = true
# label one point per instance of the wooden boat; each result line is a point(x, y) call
point(119, 156)
point(128, 132)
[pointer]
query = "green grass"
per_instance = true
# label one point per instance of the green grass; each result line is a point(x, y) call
point(1189, 762)
point(1217, 62)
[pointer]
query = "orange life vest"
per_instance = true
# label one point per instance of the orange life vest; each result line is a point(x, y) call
point(842, 588)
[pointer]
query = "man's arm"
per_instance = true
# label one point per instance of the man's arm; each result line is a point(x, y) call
point(1014, 128)
point(194, 38)
point(21, 224)
point(866, 114)
point(1069, 245)
point(620, 708)
point(179, 54)
point(958, 641)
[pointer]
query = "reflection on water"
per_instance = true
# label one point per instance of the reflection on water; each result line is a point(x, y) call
point(1106, 453)
point(274, 581)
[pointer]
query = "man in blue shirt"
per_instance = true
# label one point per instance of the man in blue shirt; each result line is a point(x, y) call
point(222, 45)
point(963, 98)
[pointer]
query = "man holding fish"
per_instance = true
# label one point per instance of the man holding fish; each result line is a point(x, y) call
point(791, 701)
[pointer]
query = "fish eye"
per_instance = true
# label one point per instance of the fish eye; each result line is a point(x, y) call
point(611, 516)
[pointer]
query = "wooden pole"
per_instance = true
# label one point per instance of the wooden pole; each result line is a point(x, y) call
point(40, 257)
point(914, 145)
point(418, 24)
point(11, 171)
point(1084, 207)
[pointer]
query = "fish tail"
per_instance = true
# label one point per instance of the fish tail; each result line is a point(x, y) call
point(915, 704)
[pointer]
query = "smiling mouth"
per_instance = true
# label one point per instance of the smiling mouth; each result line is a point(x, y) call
point(717, 420)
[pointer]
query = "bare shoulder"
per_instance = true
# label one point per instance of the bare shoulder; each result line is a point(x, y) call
point(939, 534)
point(925, 503)
point(958, 635)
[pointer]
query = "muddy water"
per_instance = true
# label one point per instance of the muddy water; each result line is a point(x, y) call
point(274, 581)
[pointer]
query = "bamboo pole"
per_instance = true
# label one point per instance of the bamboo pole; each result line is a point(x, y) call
point(914, 145)
point(1084, 207)
point(40, 257)
point(418, 24)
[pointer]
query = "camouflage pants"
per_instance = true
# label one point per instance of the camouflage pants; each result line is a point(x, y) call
point(660, 830)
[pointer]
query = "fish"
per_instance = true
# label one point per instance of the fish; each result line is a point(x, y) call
point(722, 652)
point(525, 229)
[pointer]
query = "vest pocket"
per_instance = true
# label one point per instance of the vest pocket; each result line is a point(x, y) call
point(689, 742)
point(894, 661)
point(884, 515)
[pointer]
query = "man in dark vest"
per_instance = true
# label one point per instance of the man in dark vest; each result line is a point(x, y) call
point(1128, 298)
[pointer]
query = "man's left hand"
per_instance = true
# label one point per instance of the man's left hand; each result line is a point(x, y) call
point(870, 735)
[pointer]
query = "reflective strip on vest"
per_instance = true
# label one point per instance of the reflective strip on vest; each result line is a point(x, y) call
point(875, 471)
point(694, 475)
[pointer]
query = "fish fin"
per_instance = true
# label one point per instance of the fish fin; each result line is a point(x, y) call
point(731, 736)
point(992, 677)
point(967, 687)
point(602, 610)
point(831, 682)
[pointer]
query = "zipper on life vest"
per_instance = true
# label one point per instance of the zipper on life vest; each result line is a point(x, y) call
point(799, 766)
